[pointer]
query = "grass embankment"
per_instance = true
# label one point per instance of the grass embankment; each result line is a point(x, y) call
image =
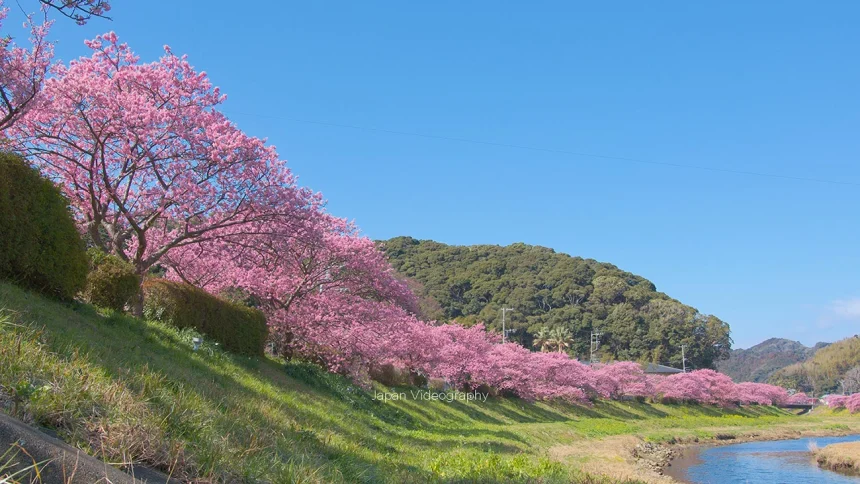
point(128, 390)
point(843, 457)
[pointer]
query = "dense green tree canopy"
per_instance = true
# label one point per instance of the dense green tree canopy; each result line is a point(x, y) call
point(550, 290)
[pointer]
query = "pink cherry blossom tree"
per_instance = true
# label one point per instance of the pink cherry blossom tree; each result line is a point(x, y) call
point(683, 387)
point(852, 403)
point(799, 398)
point(328, 292)
point(23, 69)
point(624, 378)
point(555, 375)
point(837, 401)
point(148, 161)
point(760, 394)
point(702, 386)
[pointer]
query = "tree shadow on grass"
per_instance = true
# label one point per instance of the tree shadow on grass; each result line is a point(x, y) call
point(132, 350)
point(432, 413)
point(520, 411)
point(616, 412)
point(137, 353)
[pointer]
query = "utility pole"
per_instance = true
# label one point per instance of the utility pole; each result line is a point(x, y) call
point(504, 332)
point(684, 357)
point(595, 342)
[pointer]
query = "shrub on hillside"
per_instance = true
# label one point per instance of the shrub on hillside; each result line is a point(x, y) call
point(389, 375)
point(417, 379)
point(112, 282)
point(238, 328)
point(437, 384)
point(40, 247)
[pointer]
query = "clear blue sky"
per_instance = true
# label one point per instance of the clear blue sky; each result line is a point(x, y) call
point(771, 87)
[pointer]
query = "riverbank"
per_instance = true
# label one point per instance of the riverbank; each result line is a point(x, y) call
point(660, 450)
point(681, 455)
point(844, 457)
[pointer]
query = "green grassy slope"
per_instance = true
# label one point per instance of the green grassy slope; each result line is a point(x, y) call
point(129, 390)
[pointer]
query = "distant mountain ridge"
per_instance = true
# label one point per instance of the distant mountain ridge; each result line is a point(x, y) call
point(759, 362)
point(823, 371)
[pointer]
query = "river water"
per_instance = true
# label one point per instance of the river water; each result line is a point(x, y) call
point(780, 461)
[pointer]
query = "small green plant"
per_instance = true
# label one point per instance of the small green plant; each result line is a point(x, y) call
point(23, 391)
point(112, 282)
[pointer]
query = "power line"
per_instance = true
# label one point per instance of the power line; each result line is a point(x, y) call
point(558, 151)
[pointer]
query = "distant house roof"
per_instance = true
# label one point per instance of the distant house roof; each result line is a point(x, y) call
point(655, 369)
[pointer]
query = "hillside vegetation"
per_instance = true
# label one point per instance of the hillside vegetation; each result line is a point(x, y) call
point(822, 372)
point(758, 363)
point(552, 290)
point(129, 390)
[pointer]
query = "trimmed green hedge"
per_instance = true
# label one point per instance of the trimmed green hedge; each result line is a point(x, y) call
point(112, 282)
point(40, 247)
point(238, 328)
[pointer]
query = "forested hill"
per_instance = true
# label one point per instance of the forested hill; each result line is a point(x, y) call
point(824, 370)
point(759, 362)
point(554, 291)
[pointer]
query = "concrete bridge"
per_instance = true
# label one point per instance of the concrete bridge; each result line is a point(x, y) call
point(804, 409)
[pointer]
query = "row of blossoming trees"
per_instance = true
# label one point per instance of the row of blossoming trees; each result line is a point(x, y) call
point(850, 402)
point(158, 175)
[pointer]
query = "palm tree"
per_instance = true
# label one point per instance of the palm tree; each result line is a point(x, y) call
point(560, 338)
point(543, 340)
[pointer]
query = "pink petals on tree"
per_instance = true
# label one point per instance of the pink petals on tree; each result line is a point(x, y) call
point(849, 402)
point(23, 69)
point(147, 160)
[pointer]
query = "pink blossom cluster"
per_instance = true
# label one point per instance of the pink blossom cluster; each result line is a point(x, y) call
point(23, 69)
point(800, 398)
point(711, 387)
point(850, 402)
point(472, 357)
point(148, 161)
point(761, 394)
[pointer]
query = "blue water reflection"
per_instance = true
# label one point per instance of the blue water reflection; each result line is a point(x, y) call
point(782, 461)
